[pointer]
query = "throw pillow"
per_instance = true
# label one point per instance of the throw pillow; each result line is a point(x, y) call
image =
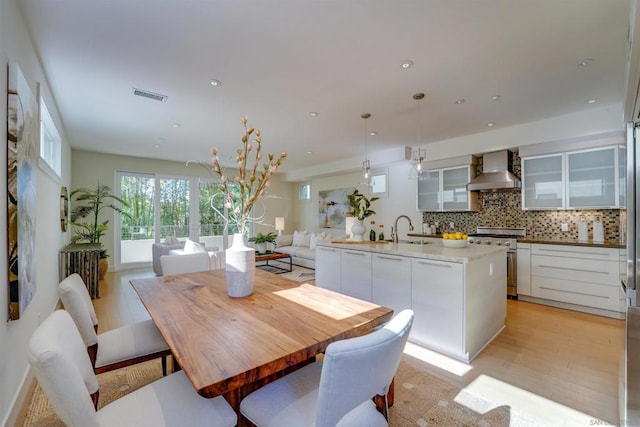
point(301, 238)
point(171, 240)
point(316, 237)
point(284, 240)
point(191, 247)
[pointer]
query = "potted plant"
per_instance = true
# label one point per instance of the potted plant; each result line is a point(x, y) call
point(88, 203)
point(360, 209)
point(261, 241)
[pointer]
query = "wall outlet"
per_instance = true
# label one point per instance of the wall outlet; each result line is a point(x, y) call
point(451, 225)
point(565, 226)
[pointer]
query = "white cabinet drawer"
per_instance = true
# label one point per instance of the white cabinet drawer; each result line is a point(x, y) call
point(581, 270)
point(581, 252)
point(580, 293)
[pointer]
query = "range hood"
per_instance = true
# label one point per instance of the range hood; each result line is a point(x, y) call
point(496, 173)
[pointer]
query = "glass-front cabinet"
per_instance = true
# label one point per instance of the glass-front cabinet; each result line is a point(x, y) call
point(585, 179)
point(446, 190)
point(542, 182)
point(591, 178)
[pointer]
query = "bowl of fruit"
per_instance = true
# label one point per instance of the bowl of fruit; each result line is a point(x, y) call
point(455, 239)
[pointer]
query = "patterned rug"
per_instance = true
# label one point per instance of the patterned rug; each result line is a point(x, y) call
point(299, 274)
point(421, 400)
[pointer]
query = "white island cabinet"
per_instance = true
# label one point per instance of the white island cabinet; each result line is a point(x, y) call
point(458, 295)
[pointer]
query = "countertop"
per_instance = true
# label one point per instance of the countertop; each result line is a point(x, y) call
point(616, 244)
point(431, 250)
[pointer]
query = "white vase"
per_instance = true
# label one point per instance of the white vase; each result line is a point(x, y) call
point(357, 231)
point(261, 248)
point(240, 267)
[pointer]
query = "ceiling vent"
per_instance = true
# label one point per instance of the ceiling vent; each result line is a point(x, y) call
point(150, 95)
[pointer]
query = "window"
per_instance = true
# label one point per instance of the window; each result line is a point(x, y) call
point(305, 192)
point(379, 183)
point(50, 142)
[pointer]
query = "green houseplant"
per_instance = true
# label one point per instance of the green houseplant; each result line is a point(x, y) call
point(360, 209)
point(86, 207)
point(261, 241)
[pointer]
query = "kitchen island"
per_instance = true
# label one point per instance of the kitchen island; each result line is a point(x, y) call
point(458, 295)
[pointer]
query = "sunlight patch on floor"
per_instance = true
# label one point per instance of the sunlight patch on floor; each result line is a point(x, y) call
point(436, 359)
point(536, 408)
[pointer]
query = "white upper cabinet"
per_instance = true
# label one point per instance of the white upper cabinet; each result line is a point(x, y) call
point(446, 190)
point(591, 179)
point(542, 182)
point(585, 179)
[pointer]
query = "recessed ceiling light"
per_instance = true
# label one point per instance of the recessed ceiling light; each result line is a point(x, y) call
point(313, 114)
point(214, 82)
point(585, 62)
point(490, 124)
point(592, 100)
point(309, 152)
point(373, 133)
point(495, 97)
point(176, 125)
point(156, 145)
point(459, 101)
point(407, 64)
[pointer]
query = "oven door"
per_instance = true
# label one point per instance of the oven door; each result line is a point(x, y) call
point(512, 274)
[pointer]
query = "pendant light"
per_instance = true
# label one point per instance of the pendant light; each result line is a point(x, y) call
point(418, 169)
point(366, 166)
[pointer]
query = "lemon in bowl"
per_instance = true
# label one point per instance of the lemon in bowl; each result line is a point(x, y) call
point(455, 240)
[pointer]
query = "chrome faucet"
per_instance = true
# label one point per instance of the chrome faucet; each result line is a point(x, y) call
point(394, 230)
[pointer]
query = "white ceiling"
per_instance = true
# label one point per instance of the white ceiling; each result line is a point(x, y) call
point(279, 60)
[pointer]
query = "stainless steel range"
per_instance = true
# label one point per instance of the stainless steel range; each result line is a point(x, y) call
point(502, 236)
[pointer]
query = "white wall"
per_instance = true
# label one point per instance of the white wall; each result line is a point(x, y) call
point(15, 46)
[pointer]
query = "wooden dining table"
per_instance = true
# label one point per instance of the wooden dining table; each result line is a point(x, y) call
point(231, 346)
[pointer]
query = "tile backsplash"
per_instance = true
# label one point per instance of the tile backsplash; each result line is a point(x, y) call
point(504, 209)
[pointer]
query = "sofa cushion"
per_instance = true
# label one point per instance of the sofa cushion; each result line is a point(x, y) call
point(315, 237)
point(306, 253)
point(291, 250)
point(284, 240)
point(191, 247)
point(301, 238)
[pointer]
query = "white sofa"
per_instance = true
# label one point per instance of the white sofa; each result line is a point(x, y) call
point(172, 247)
point(302, 246)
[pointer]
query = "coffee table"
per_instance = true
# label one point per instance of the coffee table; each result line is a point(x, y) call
point(272, 257)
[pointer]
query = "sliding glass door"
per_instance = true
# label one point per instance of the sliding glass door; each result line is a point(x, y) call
point(165, 206)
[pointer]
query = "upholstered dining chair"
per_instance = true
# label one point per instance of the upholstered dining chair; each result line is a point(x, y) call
point(63, 369)
point(339, 390)
point(187, 263)
point(117, 348)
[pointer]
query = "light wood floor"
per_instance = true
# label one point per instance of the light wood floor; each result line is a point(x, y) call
point(552, 354)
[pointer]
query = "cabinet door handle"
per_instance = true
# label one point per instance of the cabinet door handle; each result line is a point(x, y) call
point(433, 264)
point(326, 249)
point(573, 252)
point(573, 269)
point(572, 292)
point(389, 258)
point(354, 253)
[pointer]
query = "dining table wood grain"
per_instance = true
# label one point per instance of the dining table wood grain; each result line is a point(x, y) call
point(225, 344)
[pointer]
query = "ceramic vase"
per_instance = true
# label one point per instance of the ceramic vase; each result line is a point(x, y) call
point(240, 266)
point(357, 231)
point(261, 248)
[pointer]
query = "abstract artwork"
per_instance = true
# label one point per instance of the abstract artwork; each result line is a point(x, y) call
point(333, 207)
point(22, 163)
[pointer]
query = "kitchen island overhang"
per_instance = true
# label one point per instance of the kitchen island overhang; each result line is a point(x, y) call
point(457, 294)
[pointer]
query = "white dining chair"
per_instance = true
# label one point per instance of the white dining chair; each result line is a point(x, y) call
point(130, 344)
point(339, 390)
point(63, 369)
point(187, 263)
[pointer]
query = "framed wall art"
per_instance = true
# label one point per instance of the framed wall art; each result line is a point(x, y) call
point(22, 165)
point(333, 206)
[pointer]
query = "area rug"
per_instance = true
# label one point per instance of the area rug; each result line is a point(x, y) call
point(299, 274)
point(421, 400)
